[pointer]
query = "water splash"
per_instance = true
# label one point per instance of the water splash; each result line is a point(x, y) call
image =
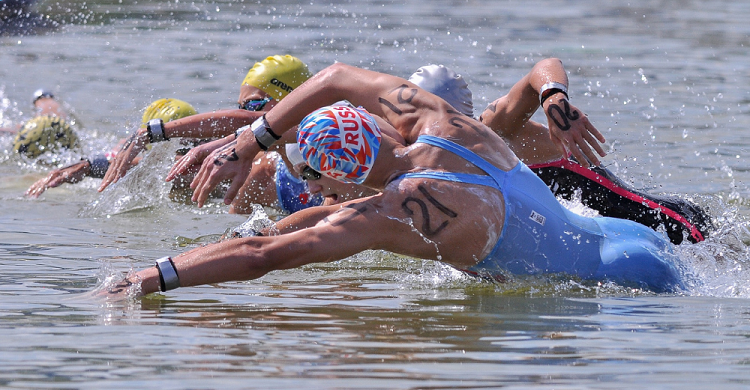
point(112, 286)
point(257, 221)
point(720, 265)
point(142, 187)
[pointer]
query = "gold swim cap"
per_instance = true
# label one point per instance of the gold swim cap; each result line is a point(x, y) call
point(278, 75)
point(167, 110)
point(42, 134)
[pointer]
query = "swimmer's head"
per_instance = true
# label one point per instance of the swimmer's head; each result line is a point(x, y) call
point(340, 141)
point(277, 75)
point(40, 94)
point(44, 133)
point(167, 110)
point(449, 85)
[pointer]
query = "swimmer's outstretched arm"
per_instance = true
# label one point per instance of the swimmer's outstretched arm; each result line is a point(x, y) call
point(570, 131)
point(208, 125)
point(70, 174)
point(342, 233)
point(337, 82)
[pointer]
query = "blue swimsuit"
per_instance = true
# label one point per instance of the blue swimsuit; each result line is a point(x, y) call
point(540, 236)
point(292, 192)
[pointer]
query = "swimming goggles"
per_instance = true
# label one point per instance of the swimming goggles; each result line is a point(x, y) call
point(310, 174)
point(254, 105)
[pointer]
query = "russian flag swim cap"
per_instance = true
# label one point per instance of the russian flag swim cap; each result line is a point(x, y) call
point(340, 141)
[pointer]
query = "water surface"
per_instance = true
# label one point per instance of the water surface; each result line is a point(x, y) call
point(666, 82)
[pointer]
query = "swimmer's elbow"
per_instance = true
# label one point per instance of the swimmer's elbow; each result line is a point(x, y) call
point(336, 78)
point(333, 73)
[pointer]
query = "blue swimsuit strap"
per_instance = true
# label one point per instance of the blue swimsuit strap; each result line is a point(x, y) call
point(468, 178)
point(497, 175)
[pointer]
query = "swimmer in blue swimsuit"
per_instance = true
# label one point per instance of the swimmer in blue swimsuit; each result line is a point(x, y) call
point(450, 190)
point(540, 236)
point(597, 187)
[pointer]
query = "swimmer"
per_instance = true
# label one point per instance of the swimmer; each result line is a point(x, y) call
point(163, 109)
point(457, 196)
point(296, 192)
point(266, 83)
point(546, 151)
point(50, 130)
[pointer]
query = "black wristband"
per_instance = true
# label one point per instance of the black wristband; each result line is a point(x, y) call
point(264, 136)
point(155, 130)
point(99, 166)
point(168, 277)
point(550, 89)
point(551, 92)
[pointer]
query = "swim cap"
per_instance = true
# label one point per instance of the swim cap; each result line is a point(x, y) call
point(340, 142)
point(447, 84)
point(44, 133)
point(41, 93)
point(293, 155)
point(277, 75)
point(167, 110)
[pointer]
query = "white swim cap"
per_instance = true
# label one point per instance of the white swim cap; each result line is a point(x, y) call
point(447, 84)
point(294, 155)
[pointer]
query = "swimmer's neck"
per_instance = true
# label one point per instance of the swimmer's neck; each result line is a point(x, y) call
point(392, 161)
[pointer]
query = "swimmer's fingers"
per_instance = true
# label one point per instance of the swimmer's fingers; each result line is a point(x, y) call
point(571, 129)
point(205, 181)
point(583, 154)
point(70, 174)
point(560, 143)
point(234, 189)
point(595, 142)
point(122, 161)
point(587, 139)
point(113, 291)
point(195, 156)
point(223, 164)
point(38, 187)
point(203, 172)
point(197, 184)
point(181, 166)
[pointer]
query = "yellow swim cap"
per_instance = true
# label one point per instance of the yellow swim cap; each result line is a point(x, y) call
point(277, 75)
point(42, 134)
point(167, 110)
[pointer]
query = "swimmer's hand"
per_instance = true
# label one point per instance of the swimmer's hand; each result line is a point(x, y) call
point(195, 156)
point(71, 174)
point(123, 160)
point(113, 290)
point(224, 163)
point(572, 132)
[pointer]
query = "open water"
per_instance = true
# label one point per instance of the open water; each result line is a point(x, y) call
point(666, 82)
